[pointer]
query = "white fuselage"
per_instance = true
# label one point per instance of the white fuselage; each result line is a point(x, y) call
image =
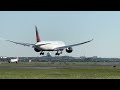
point(49, 45)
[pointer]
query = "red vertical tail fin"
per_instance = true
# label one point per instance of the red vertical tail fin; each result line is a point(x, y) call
point(37, 35)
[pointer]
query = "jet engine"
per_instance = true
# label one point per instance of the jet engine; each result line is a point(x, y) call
point(69, 50)
point(36, 50)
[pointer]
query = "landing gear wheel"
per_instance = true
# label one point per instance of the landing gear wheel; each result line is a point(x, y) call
point(42, 53)
point(57, 54)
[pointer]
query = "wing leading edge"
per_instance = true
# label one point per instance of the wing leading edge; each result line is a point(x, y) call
point(24, 44)
point(60, 48)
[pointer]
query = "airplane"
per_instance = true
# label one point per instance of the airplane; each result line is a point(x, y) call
point(41, 46)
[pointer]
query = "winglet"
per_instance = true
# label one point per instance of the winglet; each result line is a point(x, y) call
point(37, 35)
point(92, 40)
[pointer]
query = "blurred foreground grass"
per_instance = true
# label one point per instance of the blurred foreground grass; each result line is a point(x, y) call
point(82, 71)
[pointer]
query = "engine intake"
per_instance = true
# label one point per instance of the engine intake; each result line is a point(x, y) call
point(69, 50)
point(36, 50)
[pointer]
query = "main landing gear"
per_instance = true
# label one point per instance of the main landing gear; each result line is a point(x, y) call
point(58, 53)
point(41, 53)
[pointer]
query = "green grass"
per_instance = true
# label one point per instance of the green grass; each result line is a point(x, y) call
point(81, 71)
point(61, 74)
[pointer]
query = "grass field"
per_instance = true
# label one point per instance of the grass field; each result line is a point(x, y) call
point(76, 70)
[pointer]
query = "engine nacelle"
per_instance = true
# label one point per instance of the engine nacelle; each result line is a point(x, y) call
point(36, 50)
point(69, 50)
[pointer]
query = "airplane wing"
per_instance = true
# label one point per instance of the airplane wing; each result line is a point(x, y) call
point(61, 48)
point(24, 44)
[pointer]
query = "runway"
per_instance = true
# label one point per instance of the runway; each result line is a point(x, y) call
point(45, 67)
point(30, 67)
point(48, 66)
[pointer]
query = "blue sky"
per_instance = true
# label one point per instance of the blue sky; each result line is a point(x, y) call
point(68, 26)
